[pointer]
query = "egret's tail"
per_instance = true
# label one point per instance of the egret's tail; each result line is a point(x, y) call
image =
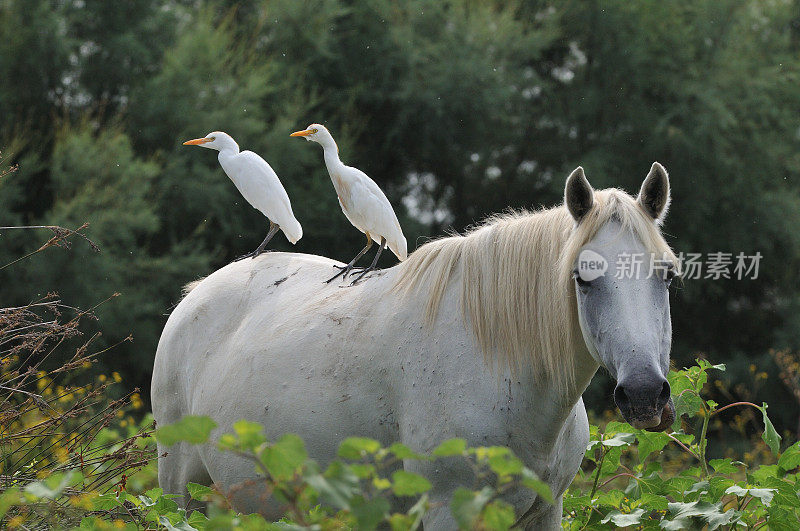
point(293, 231)
point(399, 248)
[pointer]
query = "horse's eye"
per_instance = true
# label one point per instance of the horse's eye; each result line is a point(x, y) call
point(581, 282)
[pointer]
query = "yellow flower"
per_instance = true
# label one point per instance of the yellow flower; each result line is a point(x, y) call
point(16, 522)
point(136, 401)
point(102, 378)
point(116, 376)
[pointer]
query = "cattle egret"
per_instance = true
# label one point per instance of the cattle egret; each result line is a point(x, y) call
point(258, 183)
point(363, 202)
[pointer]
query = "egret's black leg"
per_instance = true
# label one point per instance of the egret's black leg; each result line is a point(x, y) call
point(372, 265)
point(273, 228)
point(346, 269)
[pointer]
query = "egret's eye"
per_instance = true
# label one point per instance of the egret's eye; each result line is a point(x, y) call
point(212, 138)
point(314, 131)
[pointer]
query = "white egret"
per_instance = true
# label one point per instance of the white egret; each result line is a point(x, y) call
point(258, 183)
point(363, 202)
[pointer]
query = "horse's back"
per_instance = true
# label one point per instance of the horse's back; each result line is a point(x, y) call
point(268, 341)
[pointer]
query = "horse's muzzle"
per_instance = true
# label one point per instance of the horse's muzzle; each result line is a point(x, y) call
point(647, 406)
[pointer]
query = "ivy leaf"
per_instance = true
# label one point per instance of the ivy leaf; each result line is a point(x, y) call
point(191, 428)
point(650, 442)
point(284, 458)
point(723, 466)
point(498, 516)
point(532, 481)
point(467, 505)
point(765, 495)
point(249, 433)
point(409, 484)
point(198, 492)
point(620, 519)
point(451, 447)
point(790, 459)
point(369, 513)
point(337, 486)
point(401, 451)
point(620, 439)
point(358, 447)
point(770, 436)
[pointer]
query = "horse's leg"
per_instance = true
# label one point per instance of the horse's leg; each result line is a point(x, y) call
point(181, 465)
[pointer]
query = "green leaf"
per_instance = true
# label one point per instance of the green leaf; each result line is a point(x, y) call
point(620, 519)
point(650, 442)
point(765, 495)
point(401, 451)
point(686, 515)
point(770, 436)
point(198, 492)
point(451, 447)
point(503, 462)
point(8, 499)
point(498, 515)
point(532, 481)
point(655, 502)
point(790, 458)
point(284, 458)
point(337, 486)
point(620, 439)
point(52, 487)
point(467, 505)
point(191, 428)
point(249, 434)
point(369, 513)
point(409, 484)
point(358, 447)
point(723, 466)
point(197, 520)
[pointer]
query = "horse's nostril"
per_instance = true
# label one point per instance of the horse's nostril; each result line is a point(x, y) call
point(663, 398)
point(621, 398)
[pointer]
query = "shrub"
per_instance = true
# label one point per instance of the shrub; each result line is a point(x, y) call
point(63, 438)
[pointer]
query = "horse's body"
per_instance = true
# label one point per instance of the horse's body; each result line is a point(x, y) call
point(266, 340)
point(280, 360)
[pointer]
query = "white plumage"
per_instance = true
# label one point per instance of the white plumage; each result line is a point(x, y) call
point(362, 201)
point(257, 182)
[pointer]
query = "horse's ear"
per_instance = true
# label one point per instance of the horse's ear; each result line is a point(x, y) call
point(654, 196)
point(578, 194)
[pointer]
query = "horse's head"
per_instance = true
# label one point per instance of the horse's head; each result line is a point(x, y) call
point(621, 286)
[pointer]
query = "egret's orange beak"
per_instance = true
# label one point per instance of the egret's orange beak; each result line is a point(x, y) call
point(302, 133)
point(197, 141)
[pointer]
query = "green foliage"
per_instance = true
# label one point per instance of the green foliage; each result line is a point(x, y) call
point(354, 491)
point(628, 484)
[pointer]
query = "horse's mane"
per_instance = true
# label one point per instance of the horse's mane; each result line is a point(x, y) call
point(515, 272)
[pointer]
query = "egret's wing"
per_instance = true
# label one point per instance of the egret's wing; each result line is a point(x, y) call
point(376, 212)
point(259, 185)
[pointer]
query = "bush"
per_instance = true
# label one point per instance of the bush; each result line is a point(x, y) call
point(63, 437)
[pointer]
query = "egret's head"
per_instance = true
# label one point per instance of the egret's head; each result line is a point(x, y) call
point(316, 132)
point(216, 140)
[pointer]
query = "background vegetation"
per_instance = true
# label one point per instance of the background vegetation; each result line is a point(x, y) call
point(456, 108)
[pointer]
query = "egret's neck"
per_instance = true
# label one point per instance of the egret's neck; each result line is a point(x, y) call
point(331, 153)
point(227, 148)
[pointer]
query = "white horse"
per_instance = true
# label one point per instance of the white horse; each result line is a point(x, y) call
point(491, 336)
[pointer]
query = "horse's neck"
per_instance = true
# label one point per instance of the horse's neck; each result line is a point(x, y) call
point(543, 407)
